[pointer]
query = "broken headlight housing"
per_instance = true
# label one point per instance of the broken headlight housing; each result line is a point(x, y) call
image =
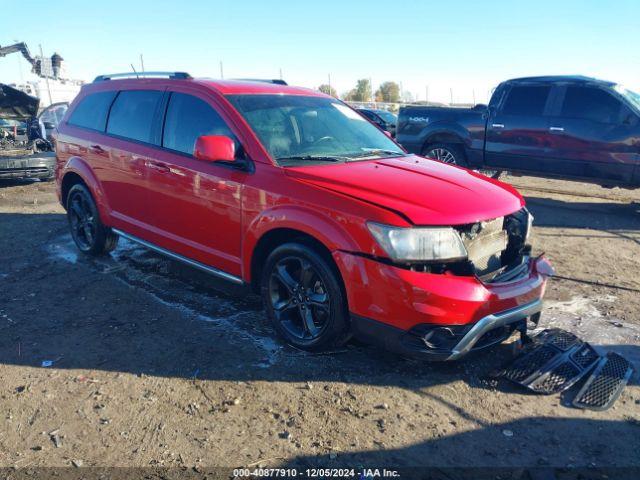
point(419, 244)
point(529, 226)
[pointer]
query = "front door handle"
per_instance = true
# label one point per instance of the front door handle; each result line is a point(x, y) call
point(497, 125)
point(159, 166)
point(556, 129)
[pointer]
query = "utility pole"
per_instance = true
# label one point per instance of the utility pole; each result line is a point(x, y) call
point(426, 93)
point(46, 77)
point(473, 93)
point(329, 83)
point(281, 73)
point(141, 64)
point(221, 71)
point(451, 93)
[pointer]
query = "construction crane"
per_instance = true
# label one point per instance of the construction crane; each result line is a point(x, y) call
point(36, 66)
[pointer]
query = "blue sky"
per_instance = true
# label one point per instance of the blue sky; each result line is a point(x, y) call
point(467, 46)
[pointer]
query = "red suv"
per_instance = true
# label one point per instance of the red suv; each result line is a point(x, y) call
point(298, 195)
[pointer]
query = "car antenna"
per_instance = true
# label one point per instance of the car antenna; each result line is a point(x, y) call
point(134, 71)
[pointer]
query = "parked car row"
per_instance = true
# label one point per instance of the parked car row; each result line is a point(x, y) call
point(384, 119)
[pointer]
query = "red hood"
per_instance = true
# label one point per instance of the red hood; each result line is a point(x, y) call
point(425, 191)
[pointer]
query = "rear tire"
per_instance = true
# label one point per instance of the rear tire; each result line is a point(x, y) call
point(495, 174)
point(90, 235)
point(451, 153)
point(304, 299)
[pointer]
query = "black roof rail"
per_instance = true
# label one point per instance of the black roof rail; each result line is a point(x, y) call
point(276, 81)
point(171, 75)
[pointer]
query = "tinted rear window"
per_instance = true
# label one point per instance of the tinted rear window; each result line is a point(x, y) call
point(590, 104)
point(132, 114)
point(92, 111)
point(529, 100)
point(189, 117)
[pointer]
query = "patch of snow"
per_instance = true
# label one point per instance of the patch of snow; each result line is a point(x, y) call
point(576, 306)
point(64, 251)
point(605, 333)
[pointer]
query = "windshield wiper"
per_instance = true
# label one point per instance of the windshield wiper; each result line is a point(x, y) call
point(313, 158)
point(377, 152)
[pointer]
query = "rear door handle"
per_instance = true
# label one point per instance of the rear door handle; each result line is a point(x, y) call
point(556, 129)
point(159, 166)
point(497, 125)
point(97, 149)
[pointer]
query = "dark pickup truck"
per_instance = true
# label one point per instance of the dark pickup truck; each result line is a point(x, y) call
point(562, 126)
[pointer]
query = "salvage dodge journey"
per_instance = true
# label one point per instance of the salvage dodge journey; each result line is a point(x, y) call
point(297, 195)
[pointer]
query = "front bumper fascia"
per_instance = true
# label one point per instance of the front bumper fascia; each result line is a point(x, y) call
point(40, 165)
point(438, 316)
point(488, 331)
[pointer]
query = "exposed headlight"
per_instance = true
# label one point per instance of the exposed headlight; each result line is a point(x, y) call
point(420, 243)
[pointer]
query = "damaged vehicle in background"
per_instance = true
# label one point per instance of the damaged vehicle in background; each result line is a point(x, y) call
point(26, 143)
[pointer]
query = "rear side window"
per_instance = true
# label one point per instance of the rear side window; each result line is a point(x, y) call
point(591, 104)
point(132, 114)
point(92, 111)
point(188, 117)
point(529, 100)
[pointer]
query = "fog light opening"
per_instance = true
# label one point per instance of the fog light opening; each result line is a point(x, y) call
point(438, 338)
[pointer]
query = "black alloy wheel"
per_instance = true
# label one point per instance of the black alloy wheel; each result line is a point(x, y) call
point(304, 298)
point(87, 231)
point(82, 221)
point(299, 298)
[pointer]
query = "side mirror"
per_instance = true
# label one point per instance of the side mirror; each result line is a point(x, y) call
point(215, 148)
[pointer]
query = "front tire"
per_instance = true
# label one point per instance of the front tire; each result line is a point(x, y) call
point(90, 235)
point(304, 299)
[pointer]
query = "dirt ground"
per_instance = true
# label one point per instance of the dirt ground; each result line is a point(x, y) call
point(154, 364)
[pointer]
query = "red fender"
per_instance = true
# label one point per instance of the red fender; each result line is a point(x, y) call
point(78, 166)
point(318, 225)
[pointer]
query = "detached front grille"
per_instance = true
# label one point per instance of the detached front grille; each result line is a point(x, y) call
point(496, 246)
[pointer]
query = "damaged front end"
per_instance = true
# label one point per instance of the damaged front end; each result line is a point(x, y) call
point(25, 151)
point(498, 249)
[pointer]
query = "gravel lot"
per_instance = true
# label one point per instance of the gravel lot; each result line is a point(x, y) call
point(156, 364)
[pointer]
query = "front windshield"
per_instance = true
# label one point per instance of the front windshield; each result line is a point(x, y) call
point(297, 129)
point(631, 96)
point(387, 116)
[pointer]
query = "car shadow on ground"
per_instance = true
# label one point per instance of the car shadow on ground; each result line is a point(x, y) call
point(616, 218)
point(507, 450)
